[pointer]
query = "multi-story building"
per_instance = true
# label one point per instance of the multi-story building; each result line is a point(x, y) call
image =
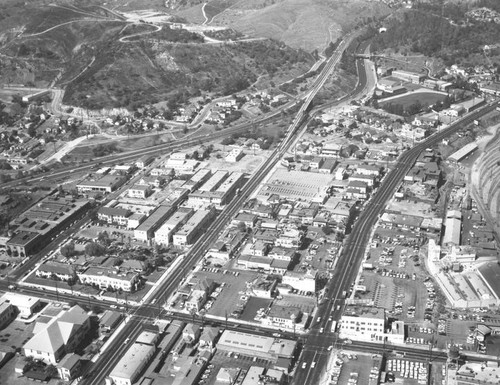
point(37, 225)
point(408, 76)
point(69, 367)
point(114, 215)
point(109, 278)
point(62, 334)
point(62, 271)
point(145, 231)
point(164, 235)
point(195, 224)
point(139, 191)
point(363, 323)
point(234, 155)
point(7, 313)
point(284, 317)
point(301, 281)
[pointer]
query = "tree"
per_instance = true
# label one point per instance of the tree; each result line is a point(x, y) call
point(103, 238)
point(228, 141)
point(68, 250)
point(94, 249)
point(326, 230)
point(242, 227)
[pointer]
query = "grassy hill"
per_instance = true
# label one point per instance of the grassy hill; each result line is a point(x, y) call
point(306, 24)
point(131, 75)
point(104, 61)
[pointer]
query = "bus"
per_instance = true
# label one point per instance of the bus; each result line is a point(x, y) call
point(334, 326)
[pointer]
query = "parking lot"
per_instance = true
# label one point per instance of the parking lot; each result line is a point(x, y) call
point(411, 372)
point(352, 368)
point(393, 277)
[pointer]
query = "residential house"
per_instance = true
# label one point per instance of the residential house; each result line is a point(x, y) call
point(69, 367)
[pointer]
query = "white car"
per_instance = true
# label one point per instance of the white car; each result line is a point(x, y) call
point(304, 365)
point(313, 365)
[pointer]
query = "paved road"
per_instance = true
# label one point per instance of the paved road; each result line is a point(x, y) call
point(111, 356)
point(353, 253)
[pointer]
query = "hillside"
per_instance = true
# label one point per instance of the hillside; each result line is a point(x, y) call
point(104, 61)
point(305, 24)
point(455, 38)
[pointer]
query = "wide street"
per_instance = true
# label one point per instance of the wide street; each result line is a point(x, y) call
point(110, 357)
point(354, 250)
point(316, 343)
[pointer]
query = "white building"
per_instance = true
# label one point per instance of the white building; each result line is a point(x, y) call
point(234, 155)
point(301, 281)
point(195, 224)
point(131, 364)
point(105, 277)
point(139, 191)
point(165, 233)
point(363, 323)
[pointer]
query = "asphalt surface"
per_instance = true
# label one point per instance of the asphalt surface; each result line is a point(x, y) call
point(353, 253)
point(112, 355)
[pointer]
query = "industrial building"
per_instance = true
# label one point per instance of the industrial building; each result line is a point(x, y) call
point(128, 369)
point(164, 235)
point(104, 184)
point(34, 228)
point(219, 190)
point(189, 232)
point(460, 154)
point(145, 231)
point(408, 76)
point(279, 352)
point(215, 181)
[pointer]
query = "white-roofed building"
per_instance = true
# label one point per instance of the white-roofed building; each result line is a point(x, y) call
point(363, 323)
point(195, 224)
point(25, 305)
point(256, 346)
point(60, 335)
point(165, 233)
point(234, 155)
point(131, 364)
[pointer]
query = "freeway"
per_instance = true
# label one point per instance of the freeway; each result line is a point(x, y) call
point(111, 356)
point(354, 249)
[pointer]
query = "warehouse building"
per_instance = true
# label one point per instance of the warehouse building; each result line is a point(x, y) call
point(145, 231)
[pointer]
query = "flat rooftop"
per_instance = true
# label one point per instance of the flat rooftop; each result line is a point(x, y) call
point(131, 360)
point(296, 184)
point(490, 272)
